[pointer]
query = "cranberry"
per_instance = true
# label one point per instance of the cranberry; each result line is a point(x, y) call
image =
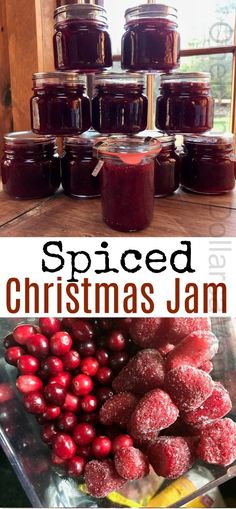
point(28, 365)
point(49, 326)
point(84, 451)
point(56, 460)
point(104, 375)
point(38, 346)
point(71, 360)
point(72, 403)
point(6, 393)
point(51, 413)
point(75, 466)
point(91, 418)
point(48, 433)
point(116, 341)
point(89, 403)
point(64, 446)
point(67, 322)
point(121, 441)
point(106, 323)
point(67, 421)
point(82, 385)
point(118, 360)
point(55, 394)
point(84, 433)
point(34, 403)
point(23, 332)
point(9, 341)
point(87, 349)
point(28, 383)
point(89, 366)
point(13, 354)
point(101, 447)
point(82, 330)
point(60, 343)
point(104, 393)
point(52, 366)
point(102, 357)
point(62, 378)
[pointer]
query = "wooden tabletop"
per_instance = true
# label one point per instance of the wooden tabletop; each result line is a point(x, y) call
point(182, 214)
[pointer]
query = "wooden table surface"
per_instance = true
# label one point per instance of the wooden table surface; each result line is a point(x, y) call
point(182, 214)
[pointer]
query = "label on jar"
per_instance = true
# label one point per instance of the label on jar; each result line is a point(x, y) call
point(97, 168)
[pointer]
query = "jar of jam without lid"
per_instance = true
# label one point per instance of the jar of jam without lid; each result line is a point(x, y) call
point(119, 106)
point(78, 163)
point(151, 41)
point(81, 40)
point(127, 182)
point(186, 104)
point(59, 105)
point(208, 163)
point(30, 165)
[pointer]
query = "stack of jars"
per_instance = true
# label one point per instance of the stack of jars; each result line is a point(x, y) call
point(134, 164)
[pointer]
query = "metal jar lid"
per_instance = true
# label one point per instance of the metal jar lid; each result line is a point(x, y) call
point(210, 138)
point(89, 12)
point(119, 78)
point(28, 138)
point(89, 138)
point(185, 77)
point(165, 139)
point(150, 11)
point(59, 78)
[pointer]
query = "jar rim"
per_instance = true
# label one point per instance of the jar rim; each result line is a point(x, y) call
point(130, 150)
point(72, 78)
point(90, 12)
point(209, 138)
point(28, 137)
point(147, 11)
point(88, 138)
point(182, 76)
point(159, 135)
point(119, 77)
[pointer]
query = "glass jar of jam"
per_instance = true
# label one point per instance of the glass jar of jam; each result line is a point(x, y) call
point(207, 163)
point(151, 41)
point(186, 104)
point(30, 165)
point(119, 106)
point(59, 105)
point(78, 164)
point(127, 182)
point(81, 40)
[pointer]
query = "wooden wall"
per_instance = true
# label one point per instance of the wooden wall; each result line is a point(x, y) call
point(5, 90)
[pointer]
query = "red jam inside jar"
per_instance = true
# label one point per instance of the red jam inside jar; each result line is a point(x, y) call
point(186, 104)
point(30, 166)
point(59, 105)
point(151, 41)
point(208, 163)
point(127, 182)
point(81, 40)
point(119, 106)
point(78, 164)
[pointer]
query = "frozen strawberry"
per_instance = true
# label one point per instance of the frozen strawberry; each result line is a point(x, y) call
point(176, 329)
point(155, 411)
point(172, 456)
point(217, 444)
point(188, 387)
point(146, 331)
point(144, 372)
point(166, 348)
point(102, 478)
point(215, 407)
point(207, 367)
point(131, 463)
point(195, 349)
point(118, 409)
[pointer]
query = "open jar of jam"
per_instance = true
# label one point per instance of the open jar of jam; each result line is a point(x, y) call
point(127, 181)
point(81, 40)
point(78, 164)
point(30, 165)
point(208, 163)
point(119, 106)
point(186, 104)
point(59, 105)
point(151, 41)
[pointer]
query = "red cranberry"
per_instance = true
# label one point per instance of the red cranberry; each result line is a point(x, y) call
point(106, 323)
point(118, 360)
point(9, 341)
point(28, 383)
point(71, 360)
point(23, 332)
point(104, 375)
point(89, 366)
point(89, 403)
point(91, 418)
point(84, 433)
point(82, 330)
point(52, 366)
point(55, 394)
point(62, 378)
point(84, 451)
point(104, 393)
point(60, 343)
point(101, 447)
point(67, 322)
point(67, 421)
point(102, 357)
point(48, 433)
point(34, 403)
point(6, 393)
point(38, 346)
point(64, 446)
point(13, 354)
point(82, 385)
point(75, 466)
point(116, 341)
point(87, 349)
point(121, 441)
point(28, 365)
point(51, 413)
point(72, 403)
point(56, 460)
point(49, 326)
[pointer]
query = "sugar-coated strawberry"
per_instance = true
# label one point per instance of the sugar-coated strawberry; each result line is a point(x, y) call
point(217, 444)
point(102, 478)
point(118, 409)
point(131, 463)
point(176, 329)
point(145, 332)
point(195, 349)
point(188, 387)
point(207, 367)
point(215, 407)
point(172, 456)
